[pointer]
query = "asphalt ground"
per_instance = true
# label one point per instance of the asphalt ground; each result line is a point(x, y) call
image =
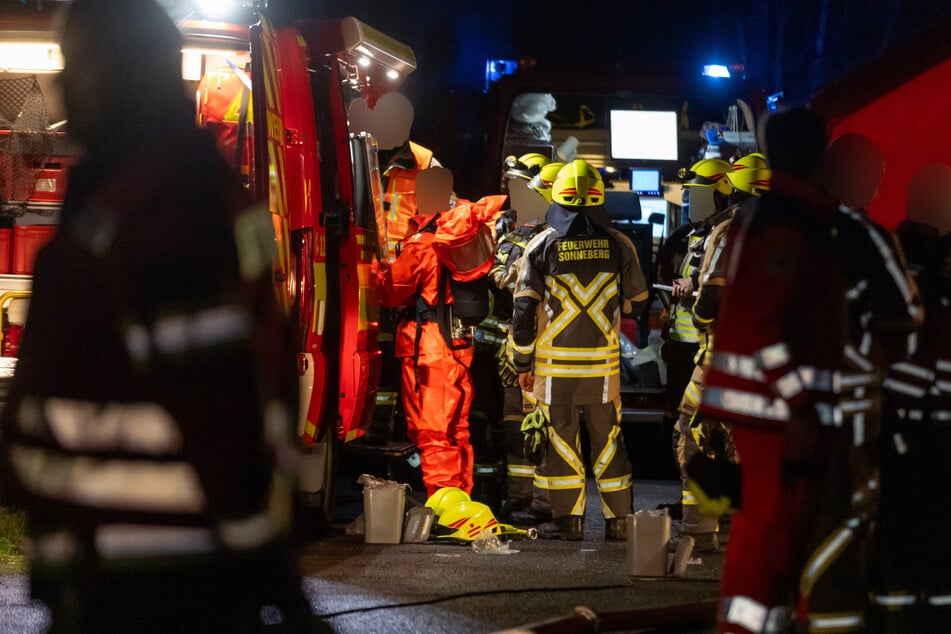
point(437, 587)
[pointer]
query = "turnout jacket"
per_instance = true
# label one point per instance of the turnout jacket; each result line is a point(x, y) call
point(154, 392)
point(583, 274)
point(781, 328)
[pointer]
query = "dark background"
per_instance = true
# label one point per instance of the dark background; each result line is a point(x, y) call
point(793, 46)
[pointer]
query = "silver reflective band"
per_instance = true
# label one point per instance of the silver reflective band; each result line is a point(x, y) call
point(756, 617)
point(835, 623)
point(84, 425)
point(943, 365)
point(860, 361)
point(942, 415)
point(128, 484)
point(129, 540)
point(940, 600)
point(746, 403)
point(789, 386)
point(895, 600)
point(205, 328)
point(738, 365)
point(903, 388)
point(247, 533)
point(773, 356)
point(913, 370)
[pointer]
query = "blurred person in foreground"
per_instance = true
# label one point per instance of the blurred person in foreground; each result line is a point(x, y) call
point(911, 580)
point(148, 433)
point(780, 332)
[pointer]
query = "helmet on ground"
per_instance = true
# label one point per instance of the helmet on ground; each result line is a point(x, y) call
point(543, 180)
point(578, 185)
point(444, 498)
point(465, 521)
point(708, 173)
point(750, 174)
point(525, 166)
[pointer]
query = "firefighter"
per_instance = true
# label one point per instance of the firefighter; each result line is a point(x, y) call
point(151, 441)
point(912, 584)
point(779, 340)
point(693, 433)
point(435, 352)
point(401, 160)
point(525, 503)
point(680, 261)
point(583, 274)
point(882, 309)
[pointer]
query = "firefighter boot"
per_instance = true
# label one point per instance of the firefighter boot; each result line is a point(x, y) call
point(570, 527)
point(702, 529)
point(615, 528)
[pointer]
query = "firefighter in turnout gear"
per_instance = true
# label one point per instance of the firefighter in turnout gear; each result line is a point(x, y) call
point(151, 441)
point(583, 274)
point(772, 377)
point(694, 433)
point(883, 308)
point(525, 502)
point(680, 261)
point(912, 586)
point(435, 348)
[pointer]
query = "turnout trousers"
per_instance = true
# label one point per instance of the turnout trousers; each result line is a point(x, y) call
point(564, 473)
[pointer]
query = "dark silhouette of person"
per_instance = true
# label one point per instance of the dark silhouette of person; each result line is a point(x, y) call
point(148, 431)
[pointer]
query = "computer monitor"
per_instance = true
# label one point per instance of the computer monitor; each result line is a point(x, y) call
point(645, 182)
point(644, 135)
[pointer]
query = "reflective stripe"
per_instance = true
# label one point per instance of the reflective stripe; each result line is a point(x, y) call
point(895, 600)
point(737, 365)
point(941, 415)
point(141, 427)
point(608, 452)
point(943, 365)
point(822, 558)
point(559, 483)
point(746, 403)
point(913, 370)
point(904, 388)
point(605, 353)
point(548, 369)
point(771, 357)
point(940, 600)
point(789, 385)
point(836, 623)
point(223, 324)
point(249, 532)
point(612, 485)
point(129, 540)
point(520, 471)
point(859, 360)
point(126, 484)
point(688, 497)
point(746, 612)
point(944, 386)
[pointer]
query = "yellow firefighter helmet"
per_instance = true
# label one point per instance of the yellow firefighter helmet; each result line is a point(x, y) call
point(578, 185)
point(708, 173)
point(465, 521)
point(543, 180)
point(444, 498)
point(525, 166)
point(750, 174)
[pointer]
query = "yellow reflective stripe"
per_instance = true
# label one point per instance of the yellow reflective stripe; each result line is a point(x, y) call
point(692, 394)
point(688, 498)
point(520, 471)
point(569, 455)
point(823, 557)
point(612, 485)
point(560, 483)
point(141, 485)
point(526, 349)
point(547, 369)
point(609, 352)
point(607, 453)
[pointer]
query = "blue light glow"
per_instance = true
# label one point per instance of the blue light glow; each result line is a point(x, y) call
point(716, 70)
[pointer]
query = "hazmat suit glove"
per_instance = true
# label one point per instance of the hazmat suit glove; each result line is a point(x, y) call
point(506, 368)
point(535, 435)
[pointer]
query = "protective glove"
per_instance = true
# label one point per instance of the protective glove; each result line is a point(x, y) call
point(535, 432)
point(715, 484)
point(506, 368)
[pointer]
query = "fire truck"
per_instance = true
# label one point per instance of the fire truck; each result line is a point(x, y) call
point(275, 97)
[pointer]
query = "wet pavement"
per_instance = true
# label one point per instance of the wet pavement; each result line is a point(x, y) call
point(437, 587)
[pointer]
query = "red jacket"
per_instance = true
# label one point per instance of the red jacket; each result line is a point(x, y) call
point(781, 328)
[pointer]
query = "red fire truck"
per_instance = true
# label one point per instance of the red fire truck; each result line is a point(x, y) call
point(275, 96)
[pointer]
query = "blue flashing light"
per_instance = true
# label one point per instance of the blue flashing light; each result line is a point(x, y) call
point(772, 101)
point(716, 70)
point(495, 69)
